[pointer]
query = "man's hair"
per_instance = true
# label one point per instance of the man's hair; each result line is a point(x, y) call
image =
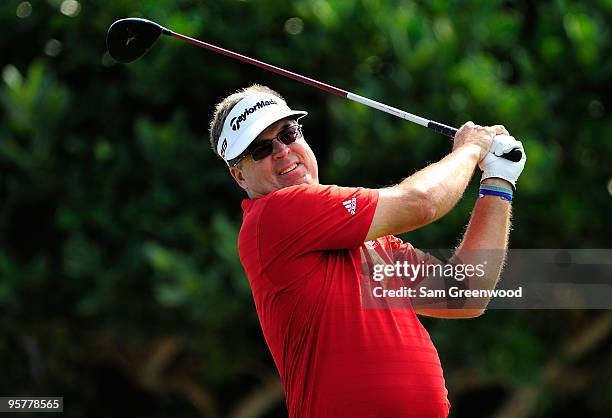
point(225, 106)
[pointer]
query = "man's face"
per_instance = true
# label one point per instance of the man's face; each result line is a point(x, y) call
point(295, 161)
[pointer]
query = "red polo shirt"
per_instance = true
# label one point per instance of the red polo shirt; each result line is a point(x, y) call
point(303, 251)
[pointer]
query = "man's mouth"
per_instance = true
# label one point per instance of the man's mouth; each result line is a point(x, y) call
point(289, 169)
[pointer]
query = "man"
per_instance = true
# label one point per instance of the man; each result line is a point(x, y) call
point(306, 248)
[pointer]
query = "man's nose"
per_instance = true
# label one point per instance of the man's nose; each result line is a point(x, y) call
point(280, 149)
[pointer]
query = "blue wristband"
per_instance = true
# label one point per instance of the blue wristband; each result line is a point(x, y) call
point(496, 188)
point(506, 196)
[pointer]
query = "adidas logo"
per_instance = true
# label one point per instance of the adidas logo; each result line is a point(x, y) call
point(350, 205)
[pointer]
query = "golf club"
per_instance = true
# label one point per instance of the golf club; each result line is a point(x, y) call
point(129, 39)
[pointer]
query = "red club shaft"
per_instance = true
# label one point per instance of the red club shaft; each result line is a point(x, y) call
point(278, 70)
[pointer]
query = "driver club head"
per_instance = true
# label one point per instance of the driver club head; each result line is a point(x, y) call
point(129, 39)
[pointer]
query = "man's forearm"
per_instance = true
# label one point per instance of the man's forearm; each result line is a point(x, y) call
point(431, 192)
point(486, 239)
point(445, 181)
point(489, 224)
point(425, 196)
point(484, 243)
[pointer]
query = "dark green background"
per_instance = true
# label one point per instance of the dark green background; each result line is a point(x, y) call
point(120, 284)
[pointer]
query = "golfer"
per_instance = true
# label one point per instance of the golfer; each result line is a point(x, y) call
point(305, 247)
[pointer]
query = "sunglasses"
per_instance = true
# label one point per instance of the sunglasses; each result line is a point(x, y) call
point(264, 147)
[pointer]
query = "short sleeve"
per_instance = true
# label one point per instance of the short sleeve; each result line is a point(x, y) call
point(305, 218)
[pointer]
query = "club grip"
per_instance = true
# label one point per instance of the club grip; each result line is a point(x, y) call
point(515, 155)
point(442, 129)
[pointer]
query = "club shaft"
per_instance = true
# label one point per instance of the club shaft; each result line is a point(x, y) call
point(449, 131)
point(443, 129)
point(261, 64)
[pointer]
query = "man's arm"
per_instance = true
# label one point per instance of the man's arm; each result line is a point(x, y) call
point(430, 193)
point(485, 242)
point(486, 239)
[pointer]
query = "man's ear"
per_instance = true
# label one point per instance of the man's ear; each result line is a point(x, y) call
point(238, 176)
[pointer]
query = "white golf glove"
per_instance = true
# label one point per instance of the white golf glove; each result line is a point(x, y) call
point(492, 165)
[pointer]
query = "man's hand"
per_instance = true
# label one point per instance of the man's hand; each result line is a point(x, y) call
point(493, 166)
point(479, 136)
point(430, 193)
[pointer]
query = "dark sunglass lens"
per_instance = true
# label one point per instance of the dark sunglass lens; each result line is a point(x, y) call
point(261, 150)
point(289, 135)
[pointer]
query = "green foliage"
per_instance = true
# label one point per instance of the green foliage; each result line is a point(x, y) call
point(118, 225)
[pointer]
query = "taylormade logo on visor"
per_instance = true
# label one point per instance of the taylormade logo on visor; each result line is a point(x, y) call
point(236, 121)
point(246, 121)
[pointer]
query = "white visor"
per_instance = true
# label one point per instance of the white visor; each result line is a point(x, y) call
point(248, 118)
